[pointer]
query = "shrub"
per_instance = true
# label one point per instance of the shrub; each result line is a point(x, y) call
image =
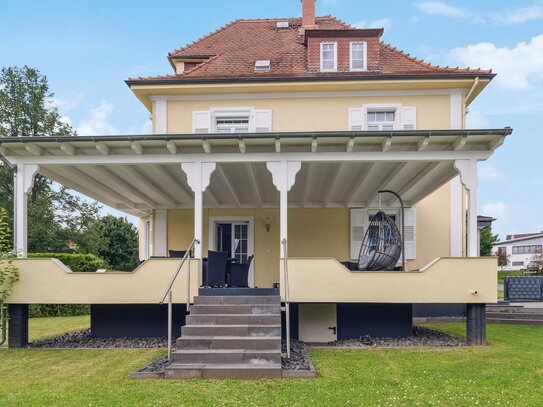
point(83, 263)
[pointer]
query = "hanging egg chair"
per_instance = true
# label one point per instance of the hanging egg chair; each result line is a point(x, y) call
point(382, 244)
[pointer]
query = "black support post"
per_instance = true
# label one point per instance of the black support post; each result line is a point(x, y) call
point(18, 325)
point(476, 324)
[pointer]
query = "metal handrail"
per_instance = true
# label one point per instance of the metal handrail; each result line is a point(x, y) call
point(287, 296)
point(3, 323)
point(168, 294)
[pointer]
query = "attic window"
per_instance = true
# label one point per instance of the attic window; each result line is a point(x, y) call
point(328, 57)
point(262, 66)
point(358, 60)
point(282, 24)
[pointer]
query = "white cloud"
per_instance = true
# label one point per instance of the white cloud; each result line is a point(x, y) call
point(97, 121)
point(517, 67)
point(68, 103)
point(380, 23)
point(498, 210)
point(441, 8)
point(487, 172)
point(476, 120)
point(520, 15)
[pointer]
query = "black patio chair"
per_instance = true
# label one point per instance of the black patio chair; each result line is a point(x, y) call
point(216, 269)
point(239, 273)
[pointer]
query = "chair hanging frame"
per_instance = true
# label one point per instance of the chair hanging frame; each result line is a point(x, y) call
point(402, 220)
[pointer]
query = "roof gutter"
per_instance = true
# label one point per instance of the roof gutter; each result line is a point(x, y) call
point(371, 77)
point(276, 135)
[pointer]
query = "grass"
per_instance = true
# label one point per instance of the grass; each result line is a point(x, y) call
point(508, 371)
point(505, 273)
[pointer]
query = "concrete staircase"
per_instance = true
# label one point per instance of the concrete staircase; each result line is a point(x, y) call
point(235, 336)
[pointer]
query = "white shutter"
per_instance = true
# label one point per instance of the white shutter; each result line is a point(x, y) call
point(263, 121)
point(201, 122)
point(358, 218)
point(356, 119)
point(409, 118)
point(410, 233)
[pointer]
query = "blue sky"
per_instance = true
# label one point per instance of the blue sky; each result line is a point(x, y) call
point(88, 48)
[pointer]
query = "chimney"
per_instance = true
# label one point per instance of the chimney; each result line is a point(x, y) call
point(308, 14)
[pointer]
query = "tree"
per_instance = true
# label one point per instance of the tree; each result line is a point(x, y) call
point(8, 272)
point(487, 241)
point(503, 258)
point(26, 110)
point(117, 240)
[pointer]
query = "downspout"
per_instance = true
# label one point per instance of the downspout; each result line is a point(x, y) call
point(475, 83)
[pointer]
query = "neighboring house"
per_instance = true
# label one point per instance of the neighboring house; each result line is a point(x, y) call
point(273, 138)
point(520, 249)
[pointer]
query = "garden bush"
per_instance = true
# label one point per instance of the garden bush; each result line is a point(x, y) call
point(77, 262)
point(57, 310)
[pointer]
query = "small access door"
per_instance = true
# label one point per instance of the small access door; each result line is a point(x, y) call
point(317, 323)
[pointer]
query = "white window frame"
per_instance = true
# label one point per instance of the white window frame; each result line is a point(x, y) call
point(364, 60)
point(387, 107)
point(231, 113)
point(335, 56)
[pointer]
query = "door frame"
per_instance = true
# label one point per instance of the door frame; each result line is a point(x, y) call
point(213, 220)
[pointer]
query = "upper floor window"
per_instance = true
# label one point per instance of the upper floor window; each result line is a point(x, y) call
point(532, 249)
point(358, 56)
point(232, 125)
point(328, 56)
point(381, 120)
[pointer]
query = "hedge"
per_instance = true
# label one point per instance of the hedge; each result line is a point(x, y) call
point(57, 310)
point(83, 263)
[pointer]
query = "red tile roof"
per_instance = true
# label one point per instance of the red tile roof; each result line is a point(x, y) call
point(231, 51)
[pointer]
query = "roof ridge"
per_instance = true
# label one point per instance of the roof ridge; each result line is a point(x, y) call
point(432, 66)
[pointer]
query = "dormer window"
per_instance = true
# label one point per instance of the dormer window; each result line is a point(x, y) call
point(358, 52)
point(328, 56)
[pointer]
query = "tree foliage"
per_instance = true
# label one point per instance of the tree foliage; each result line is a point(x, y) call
point(487, 241)
point(117, 241)
point(8, 272)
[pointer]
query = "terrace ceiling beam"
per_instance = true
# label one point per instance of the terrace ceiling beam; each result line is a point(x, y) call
point(171, 183)
point(67, 148)
point(136, 177)
point(137, 147)
point(459, 143)
point(340, 167)
point(254, 183)
point(120, 185)
point(277, 145)
point(386, 144)
point(34, 149)
point(428, 171)
point(102, 148)
point(391, 176)
point(314, 145)
point(308, 183)
point(171, 147)
point(78, 178)
point(423, 143)
point(228, 184)
point(350, 145)
point(242, 147)
point(362, 179)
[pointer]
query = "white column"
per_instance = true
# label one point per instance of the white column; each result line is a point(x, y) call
point(468, 176)
point(161, 232)
point(198, 177)
point(24, 180)
point(284, 176)
point(456, 217)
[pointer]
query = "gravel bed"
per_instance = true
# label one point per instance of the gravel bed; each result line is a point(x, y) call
point(299, 359)
point(422, 337)
point(157, 366)
point(83, 339)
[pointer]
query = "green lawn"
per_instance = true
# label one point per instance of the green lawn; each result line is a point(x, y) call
point(508, 371)
point(503, 274)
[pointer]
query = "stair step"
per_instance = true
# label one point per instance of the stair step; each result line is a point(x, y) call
point(229, 342)
point(233, 319)
point(207, 356)
point(222, 371)
point(251, 309)
point(237, 291)
point(231, 330)
point(237, 300)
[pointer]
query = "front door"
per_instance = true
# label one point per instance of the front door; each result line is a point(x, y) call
point(234, 236)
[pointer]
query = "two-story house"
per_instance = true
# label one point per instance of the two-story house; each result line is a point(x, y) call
point(272, 141)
